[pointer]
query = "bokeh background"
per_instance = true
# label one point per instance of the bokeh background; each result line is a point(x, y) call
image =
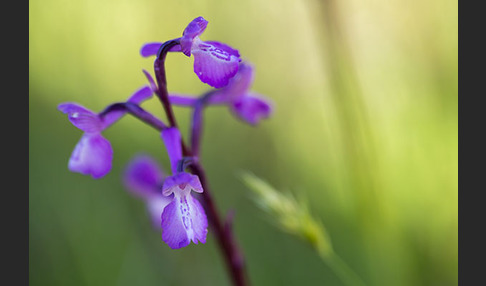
point(365, 129)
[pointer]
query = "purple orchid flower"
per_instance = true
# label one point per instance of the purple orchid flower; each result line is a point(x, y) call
point(184, 218)
point(143, 178)
point(248, 106)
point(93, 153)
point(214, 62)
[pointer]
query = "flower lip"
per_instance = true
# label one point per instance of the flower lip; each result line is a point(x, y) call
point(215, 63)
point(184, 218)
point(92, 156)
point(183, 221)
point(223, 48)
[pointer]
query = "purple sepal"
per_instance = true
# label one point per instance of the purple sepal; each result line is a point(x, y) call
point(137, 97)
point(194, 29)
point(183, 220)
point(181, 182)
point(214, 64)
point(172, 140)
point(81, 117)
point(143, 177)
point(91, 156)
point(252, 108)
point(151, 49)
point(184, 100)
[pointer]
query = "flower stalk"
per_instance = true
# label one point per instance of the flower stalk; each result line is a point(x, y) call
point(170, 199)
point(233, 256)
point(159, 69)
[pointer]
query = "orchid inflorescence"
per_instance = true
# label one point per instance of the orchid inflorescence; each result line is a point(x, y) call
point(170, 203)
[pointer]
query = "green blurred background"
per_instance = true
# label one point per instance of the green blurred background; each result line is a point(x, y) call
point(365, 128)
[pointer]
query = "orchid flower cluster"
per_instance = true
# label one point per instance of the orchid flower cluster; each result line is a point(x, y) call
point(170, 201)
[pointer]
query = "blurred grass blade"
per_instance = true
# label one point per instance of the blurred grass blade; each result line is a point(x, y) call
point(294, 217)
point(289, 214)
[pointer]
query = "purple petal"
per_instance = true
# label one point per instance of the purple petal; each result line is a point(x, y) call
point(143, 177)
point(150, 49)
point(195, 184)
point(194, 29)
point(137, 97)
point(81, 117)
point(181, 183)
point(92, 156)
point(155, 207)
point(252, 108)
point(215, 64)
point(184, 220)
point(172, 140)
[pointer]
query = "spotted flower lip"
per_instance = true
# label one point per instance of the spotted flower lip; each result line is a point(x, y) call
point(214, 62)
point(184, 219)
point(93, 153)
point(144, 178)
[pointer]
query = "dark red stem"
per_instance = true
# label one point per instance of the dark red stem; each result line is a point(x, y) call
point(159, 70)
point(232, 255)
point(197, 122)
point(162, 92)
